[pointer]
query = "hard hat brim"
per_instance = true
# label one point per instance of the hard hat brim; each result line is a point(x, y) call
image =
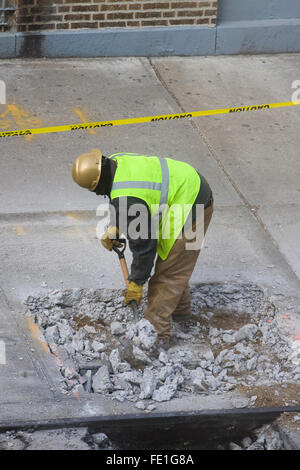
point(86, 170)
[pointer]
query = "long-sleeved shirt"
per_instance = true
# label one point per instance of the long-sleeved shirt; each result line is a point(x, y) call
point(144, 249)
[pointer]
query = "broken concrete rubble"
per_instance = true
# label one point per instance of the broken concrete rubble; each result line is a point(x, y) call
point(140, 355)
point(98, 347)
point(117, 328)
point(146, 334)
point(101, 380)
point(52, 334)
point(148, 384)
point(116, 363)
point(265, 438)
point(197, 379)
point(247, 332)
point(235, 342)
point(165, 392)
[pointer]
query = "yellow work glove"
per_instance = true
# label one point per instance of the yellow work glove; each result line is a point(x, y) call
point(108, 239)
point(133, 292)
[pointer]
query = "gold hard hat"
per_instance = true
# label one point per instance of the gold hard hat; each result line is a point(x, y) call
point(86, 169)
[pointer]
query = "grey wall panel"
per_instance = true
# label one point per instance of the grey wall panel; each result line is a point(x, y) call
point(7, 45)
point(243, 10)
point(118, 42)
point(265, 36)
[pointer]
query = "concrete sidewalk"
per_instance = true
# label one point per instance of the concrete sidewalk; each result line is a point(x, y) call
point(251, 161)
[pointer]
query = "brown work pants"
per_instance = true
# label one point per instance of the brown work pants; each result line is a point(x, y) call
point(168, 289)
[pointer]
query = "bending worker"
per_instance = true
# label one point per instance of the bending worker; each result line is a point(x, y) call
point(156, 185)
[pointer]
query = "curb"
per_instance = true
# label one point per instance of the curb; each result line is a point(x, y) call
point(231, 37)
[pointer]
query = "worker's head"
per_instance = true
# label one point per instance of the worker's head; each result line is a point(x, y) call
point(86, 169)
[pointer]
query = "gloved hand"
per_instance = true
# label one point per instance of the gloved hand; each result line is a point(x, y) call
point(133, 292)
point(108, 239)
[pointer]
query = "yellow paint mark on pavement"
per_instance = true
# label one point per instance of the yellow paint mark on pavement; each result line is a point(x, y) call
point(36, 333)
point(16, 116)
point(80, 216)
point(83, 118)
point(77, 233)
point(20, 230)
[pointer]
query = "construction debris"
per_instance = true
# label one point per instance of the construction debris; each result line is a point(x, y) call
point(265, 438)
point(233, 343)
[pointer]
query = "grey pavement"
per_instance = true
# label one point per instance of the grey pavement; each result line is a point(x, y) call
point(48, 224)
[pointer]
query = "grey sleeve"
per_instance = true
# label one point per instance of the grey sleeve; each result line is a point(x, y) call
point(143, 247)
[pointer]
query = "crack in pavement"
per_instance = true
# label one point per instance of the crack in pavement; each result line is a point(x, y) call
point(253, 209)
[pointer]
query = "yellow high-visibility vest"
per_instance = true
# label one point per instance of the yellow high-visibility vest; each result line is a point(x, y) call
point(169, 188)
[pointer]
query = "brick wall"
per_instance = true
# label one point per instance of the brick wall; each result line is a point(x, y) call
point(37, 15)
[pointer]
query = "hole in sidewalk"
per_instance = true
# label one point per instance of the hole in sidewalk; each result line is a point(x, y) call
point(207, 437)
point(234, 343)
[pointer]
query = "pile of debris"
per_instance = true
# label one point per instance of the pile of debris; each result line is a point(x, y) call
point(265, 438)
point(234, 342)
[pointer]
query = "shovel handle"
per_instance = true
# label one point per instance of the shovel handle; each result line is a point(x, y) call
point(124, 270)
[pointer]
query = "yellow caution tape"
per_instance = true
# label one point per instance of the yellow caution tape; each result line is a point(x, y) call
point(124, 122)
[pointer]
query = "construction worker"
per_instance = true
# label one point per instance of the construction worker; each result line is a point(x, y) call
point(155, 184)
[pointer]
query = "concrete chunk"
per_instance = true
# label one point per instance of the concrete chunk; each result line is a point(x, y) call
point(117, 328)
point(247, 332)
point(165, 392)
point(198, 377)
point(52, 334)
point(98, 347)
point(101, 380)
point(148, 384)
point(140, 355)
point(116, 362)
point(146, 334)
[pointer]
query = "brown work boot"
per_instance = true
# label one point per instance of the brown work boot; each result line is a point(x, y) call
point(181, 317)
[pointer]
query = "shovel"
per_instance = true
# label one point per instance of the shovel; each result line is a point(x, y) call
point(120, 253)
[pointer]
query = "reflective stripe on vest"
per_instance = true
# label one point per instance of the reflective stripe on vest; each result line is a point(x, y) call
point(163, 187)
point(165, 181)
